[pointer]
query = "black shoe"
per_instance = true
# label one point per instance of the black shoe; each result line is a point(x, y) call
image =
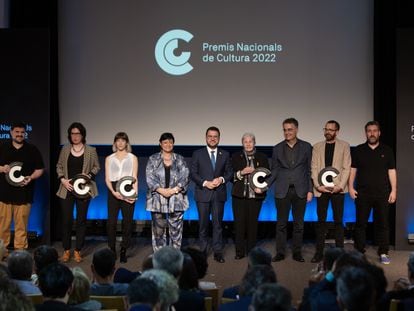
point(317, 258)
point(278, 257)
point(219, 258)
point(238, 257)
point(123, 256)
point(298, 257)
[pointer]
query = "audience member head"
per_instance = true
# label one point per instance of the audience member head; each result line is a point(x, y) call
point(188, 277)
point(259, 256)
point(103, 263)
point(410, 265)
point(166, 284)
point(199, 259)
point(271, 297)
point(80, 287)
point(55, 281)
point(11, 298)
point(20, 264)
point(349, 259)
point(43, 256)
point(147, 263)
point(143, 291)
point(355, 289)
point(330, 256)
point(256, 276)
point(168, 259)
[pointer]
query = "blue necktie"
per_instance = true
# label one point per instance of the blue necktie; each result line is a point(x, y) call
point(213, 159)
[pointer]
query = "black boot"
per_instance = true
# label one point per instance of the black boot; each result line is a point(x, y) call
point(122, 255)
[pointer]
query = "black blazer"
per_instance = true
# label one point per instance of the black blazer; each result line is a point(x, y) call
point(239, 162)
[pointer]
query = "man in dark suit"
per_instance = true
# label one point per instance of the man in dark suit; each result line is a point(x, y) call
point(210, 170)
point(291, 172)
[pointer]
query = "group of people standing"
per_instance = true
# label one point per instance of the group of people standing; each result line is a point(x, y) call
point(369, 176)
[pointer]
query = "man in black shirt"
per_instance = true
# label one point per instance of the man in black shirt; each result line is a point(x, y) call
point(16, 200)
point(373, 184)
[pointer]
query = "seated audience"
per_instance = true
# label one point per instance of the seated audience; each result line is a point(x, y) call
point(271, 297)
point(254, 277)
point(43, 256)
point(11, 297)
point(79, 296)
point(355, 290)
point(322, 295)
point(257, 256)
point(167, 287)
point(142, 294)
point(201, 264)
point(407, 293)
point(103, 268)
point(55, 282)
point(168, 259)
point(190, 297)
point(20, 264)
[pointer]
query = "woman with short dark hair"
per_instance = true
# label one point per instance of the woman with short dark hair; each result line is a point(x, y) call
point(167, 180)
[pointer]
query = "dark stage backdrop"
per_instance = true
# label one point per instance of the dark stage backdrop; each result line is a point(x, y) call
point(147, 67)
point(405, 137)
point(24, 96)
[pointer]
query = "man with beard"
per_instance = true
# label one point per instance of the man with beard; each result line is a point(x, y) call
point(331, 153)
point(373, 171)
point(16, 200)
point(210, 170)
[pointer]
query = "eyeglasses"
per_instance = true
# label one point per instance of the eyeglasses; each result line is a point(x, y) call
point(328, 130)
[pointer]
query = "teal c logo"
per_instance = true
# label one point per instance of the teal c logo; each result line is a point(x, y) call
point(164, 52)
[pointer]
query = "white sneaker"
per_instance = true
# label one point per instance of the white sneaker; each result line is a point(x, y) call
point(385, 260)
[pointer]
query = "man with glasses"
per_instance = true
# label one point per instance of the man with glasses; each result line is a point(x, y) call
point(291, 172)
point(16, 199)
point(330, 154)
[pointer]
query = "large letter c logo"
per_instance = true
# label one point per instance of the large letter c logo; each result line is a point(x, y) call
point(164, 52)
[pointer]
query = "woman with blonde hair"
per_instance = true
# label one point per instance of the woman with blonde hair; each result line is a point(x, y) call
point(79, 296)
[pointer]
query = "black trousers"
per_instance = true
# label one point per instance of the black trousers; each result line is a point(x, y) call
point(245, 212)
point(68, 206)
point(380, 205)
point(216, 209)
point(298, 211)
point(127, 211)
point(337, 202)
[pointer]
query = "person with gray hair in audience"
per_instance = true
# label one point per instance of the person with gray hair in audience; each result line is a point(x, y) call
point(168, 259)
point(355, 290)
point(167, 287)
point(142, 294)
point(271, 297)
point(79, 295)
point(20, 264)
